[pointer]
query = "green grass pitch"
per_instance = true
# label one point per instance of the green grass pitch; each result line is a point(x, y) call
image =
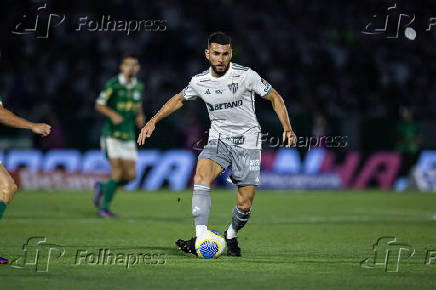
point(303, 240)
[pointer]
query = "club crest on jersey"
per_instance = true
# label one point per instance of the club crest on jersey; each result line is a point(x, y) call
point(233, 87)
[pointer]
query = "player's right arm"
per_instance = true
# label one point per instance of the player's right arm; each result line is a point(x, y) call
point(167, 109)
point(101, 107)
point(10, 119)
point(172, 105)
point(108, 112)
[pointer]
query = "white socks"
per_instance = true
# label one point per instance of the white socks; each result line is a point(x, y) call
point(231, 233)
point(200, 229)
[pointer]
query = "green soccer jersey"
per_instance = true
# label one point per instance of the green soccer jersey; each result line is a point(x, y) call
point(409, 133)
point(122, 98)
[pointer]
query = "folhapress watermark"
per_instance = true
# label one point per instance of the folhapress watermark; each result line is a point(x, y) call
point(389, 254)
point(43, 21)
point(38, 255)
point(128, 26)
point(268, 140)
point(306, 142)
point(391, 22)
point(106, 256)
point(39, 24)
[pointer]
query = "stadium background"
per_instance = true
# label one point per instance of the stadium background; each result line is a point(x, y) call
point(336, 80)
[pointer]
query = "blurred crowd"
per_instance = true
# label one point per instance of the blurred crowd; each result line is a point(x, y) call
point(313, 52)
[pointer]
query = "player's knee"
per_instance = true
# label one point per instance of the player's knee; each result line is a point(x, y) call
point(131, 175)
point(117, 174)
point(201, 178)
point(4, 192)
point(8, 190)
point(13, 188)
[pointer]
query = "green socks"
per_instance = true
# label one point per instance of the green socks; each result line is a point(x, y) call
point(3, 207)
point(108, 188)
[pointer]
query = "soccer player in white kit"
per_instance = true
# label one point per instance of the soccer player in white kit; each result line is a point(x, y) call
point(228, 90)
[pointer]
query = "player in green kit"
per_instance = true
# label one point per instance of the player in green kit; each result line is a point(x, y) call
point(7, 184)
point(120, 102)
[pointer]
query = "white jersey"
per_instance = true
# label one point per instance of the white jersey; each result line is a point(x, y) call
point(230, 102)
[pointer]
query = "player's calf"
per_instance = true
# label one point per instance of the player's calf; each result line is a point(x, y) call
point(242, 211)
point(201, 178)
point(7, 193)
point(240, 217)
point(244, 206)
point(129, 170)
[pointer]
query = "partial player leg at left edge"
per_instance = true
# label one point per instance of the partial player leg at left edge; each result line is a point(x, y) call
point(7, 192)
point(7, 189)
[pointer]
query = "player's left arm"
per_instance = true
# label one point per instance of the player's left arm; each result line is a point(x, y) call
point(10, 119)
point(282, 113)
point(139, 113)
point(139, 116)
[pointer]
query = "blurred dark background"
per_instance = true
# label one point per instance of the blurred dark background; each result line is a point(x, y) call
point(335, 79)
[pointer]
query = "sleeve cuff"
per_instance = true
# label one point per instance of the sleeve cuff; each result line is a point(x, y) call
point(266, 94)
point(101, 102)
point(183, 94)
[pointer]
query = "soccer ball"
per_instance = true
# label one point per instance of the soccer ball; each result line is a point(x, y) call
point(210, 245)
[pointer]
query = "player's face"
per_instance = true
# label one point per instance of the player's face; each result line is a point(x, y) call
point(219, 56)
point(129, 67)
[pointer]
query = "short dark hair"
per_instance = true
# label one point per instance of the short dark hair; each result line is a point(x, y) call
point(129, 54)
point(220, 38)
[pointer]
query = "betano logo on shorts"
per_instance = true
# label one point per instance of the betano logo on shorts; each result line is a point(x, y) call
point(223, 106)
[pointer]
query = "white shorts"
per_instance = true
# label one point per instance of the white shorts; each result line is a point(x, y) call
point(118, 149)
